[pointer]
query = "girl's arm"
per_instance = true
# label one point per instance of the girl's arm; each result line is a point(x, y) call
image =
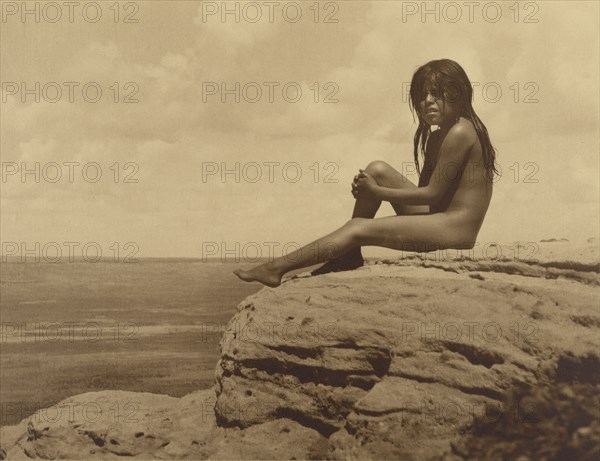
point(453, 153)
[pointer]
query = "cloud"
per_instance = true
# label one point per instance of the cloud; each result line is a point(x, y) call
point(367, 58)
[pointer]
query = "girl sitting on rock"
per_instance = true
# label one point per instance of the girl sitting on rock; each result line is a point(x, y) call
point(447, 208)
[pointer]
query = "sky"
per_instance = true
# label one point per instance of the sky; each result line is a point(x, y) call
point(140, 145)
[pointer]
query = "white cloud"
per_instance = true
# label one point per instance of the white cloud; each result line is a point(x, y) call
point(170, 133)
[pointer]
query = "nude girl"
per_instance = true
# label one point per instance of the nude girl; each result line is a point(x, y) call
point(446, 210)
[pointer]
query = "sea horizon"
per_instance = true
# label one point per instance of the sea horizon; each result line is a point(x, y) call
point(73, 327)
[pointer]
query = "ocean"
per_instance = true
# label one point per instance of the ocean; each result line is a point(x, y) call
point(74, 327)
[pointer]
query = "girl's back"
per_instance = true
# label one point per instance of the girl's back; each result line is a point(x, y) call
point(471, 189)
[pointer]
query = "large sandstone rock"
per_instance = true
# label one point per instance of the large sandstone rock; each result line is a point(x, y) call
point(396, 360)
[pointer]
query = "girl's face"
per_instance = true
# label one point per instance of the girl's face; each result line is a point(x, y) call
point(434, 107)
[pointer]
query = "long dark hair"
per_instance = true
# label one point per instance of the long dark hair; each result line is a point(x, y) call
point(454, 87)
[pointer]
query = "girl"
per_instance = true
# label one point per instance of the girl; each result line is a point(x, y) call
point(447, 208)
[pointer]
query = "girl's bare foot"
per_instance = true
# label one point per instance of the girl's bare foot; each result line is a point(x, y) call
point(347, 262)
point(260, 274)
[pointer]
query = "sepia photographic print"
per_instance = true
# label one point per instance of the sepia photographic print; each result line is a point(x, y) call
point(300, 230)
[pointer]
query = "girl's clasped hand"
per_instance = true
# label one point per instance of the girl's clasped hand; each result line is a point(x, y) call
point(364, 185)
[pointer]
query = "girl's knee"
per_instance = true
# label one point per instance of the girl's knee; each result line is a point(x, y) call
point(378, 168)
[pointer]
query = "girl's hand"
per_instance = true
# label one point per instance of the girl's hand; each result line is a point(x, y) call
point(364, 186)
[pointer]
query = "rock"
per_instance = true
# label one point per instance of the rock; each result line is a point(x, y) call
point(398, 360)
point(117, 424)
point(541, 422)
point(113, 424)
point(418, 358)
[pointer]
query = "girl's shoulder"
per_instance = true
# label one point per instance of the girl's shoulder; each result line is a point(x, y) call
point(464, 125)
point(459, 137)
point(463, 130)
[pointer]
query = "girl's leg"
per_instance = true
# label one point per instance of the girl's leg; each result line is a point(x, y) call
point(437, 231)
point(386, 176)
